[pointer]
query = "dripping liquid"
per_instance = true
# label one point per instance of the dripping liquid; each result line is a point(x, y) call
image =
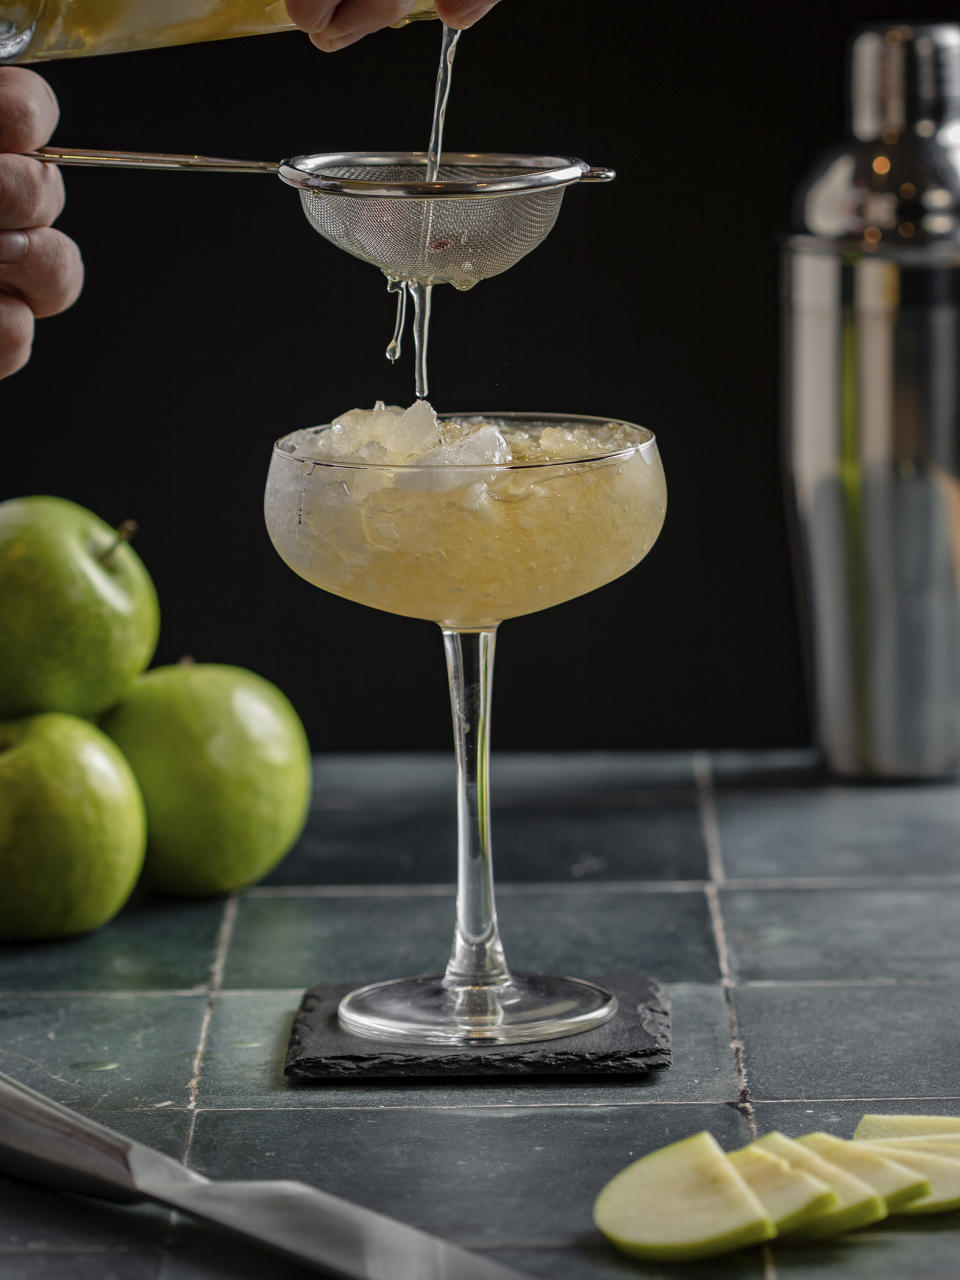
point(393, 346)
point(420, 290)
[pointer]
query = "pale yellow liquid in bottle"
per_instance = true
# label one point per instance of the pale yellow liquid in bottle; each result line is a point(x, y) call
point(71, 28)
point(465, 547)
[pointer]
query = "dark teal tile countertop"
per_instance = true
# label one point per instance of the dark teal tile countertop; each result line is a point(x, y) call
point(808, 932)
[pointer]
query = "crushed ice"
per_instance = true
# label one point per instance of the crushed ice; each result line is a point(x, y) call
point(390, 435)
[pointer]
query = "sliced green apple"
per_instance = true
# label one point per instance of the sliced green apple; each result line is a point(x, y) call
point(895, 1182)
point(942, 1144)
point(684, 1201)
point(790, 1197)
point(857, 1202)
point(883, 1126)
point(942, 1173)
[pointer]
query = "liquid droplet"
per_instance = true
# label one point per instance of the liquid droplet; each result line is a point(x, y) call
point(393, 347)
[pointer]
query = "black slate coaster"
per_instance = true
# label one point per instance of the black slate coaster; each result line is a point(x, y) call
point(635, 1040)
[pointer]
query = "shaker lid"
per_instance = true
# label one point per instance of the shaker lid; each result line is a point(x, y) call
point(894, 185)
point(904, 76)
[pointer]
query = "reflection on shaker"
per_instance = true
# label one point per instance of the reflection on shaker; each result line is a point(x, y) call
point(872, 411)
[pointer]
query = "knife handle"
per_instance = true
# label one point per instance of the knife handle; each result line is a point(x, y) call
point(42, 1141)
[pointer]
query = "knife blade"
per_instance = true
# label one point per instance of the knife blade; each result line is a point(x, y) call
point(44, 1141)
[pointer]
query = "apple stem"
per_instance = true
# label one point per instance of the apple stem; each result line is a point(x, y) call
point(186, 660)
point(125, 531)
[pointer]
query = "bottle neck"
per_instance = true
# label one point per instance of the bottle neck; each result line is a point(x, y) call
point(904, 78)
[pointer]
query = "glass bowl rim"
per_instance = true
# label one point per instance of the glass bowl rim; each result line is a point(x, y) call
point(647, 444)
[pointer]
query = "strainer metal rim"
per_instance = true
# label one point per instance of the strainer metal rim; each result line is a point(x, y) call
point(307, 172)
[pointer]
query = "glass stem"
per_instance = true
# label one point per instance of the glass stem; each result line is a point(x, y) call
point(476, 959)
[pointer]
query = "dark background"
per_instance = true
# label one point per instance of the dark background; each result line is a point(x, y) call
point(214, 320)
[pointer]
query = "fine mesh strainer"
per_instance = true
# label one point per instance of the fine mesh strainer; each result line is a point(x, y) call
point(483, 214)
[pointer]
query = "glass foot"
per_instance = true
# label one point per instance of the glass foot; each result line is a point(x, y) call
point(425, 1011)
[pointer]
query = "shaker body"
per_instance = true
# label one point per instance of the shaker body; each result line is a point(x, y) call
point(872, 454)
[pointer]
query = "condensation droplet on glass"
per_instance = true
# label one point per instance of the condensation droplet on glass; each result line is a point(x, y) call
point(301, 491)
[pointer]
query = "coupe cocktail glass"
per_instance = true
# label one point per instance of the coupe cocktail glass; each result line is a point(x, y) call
point(467, 546)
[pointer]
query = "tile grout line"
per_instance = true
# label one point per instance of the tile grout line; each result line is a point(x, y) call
point(848, 982)
point(842, 883)
point(215, 984)
point(711, 835)
point(710, 827)
point(579, 1104)
point(518, 888)
point(521, 888)
point(707, 808)
point(296, 992)
point(727, 983)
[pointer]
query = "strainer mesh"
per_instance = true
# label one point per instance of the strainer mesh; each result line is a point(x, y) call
point(454, 242)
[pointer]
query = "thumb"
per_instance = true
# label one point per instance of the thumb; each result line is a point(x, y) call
point(462, 13)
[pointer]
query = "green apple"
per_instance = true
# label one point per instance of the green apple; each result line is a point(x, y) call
point(791, 1198)
point(895, 1182)
point(80, 614)
point(857, 1202)
point(893, 1126)
point(224, 766)
point(942, 1172)
point(683, 1201)
point(72, 827)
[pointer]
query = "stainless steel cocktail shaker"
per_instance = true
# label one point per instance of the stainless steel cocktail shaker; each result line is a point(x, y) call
point(872, 410)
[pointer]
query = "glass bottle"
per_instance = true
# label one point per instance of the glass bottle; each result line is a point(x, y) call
point(38, 30)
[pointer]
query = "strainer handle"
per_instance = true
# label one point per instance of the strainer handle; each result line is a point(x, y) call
point(149, 160)
point(599, 174)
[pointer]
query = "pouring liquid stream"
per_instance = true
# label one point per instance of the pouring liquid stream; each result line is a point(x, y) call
point(448, 51)
point(419, 290)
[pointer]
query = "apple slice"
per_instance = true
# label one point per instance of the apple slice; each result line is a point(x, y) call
point(879, 1126)
point(938, 1144)
point(942, 1172)
point(790, 1197)
point(857, 1202)
point(684, 1201)
point(895, 1182)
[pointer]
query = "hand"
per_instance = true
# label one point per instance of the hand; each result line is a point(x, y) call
point(40, 269)
point(333, 24)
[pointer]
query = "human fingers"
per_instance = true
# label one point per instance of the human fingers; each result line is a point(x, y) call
point(16, 334)
point(31, 192)
point(28, 110)
point(463, 13)
point(42, 267)
point(333, 26)
point(311, 15)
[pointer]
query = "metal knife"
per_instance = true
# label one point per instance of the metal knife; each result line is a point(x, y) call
point(43, 1141)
